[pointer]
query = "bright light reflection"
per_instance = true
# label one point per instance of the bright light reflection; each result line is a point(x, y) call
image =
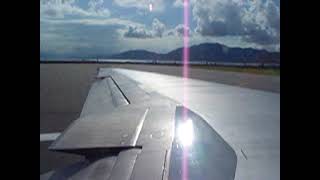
point(185, 133)
point(150, 7)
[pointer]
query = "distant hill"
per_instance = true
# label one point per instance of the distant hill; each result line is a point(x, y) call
point(137, 54)
point(206, 52)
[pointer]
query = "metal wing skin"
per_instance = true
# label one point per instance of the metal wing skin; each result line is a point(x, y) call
point(133, 126)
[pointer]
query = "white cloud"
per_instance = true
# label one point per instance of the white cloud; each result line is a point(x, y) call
point(60, 8)
point(256, 21)
point(93, 21)
point(178, 31)
point(217, 18)
point(157, 5)
point(158, 28)
point(262, 23)
point(139, 31)
point(96, 6)
point(179, 3)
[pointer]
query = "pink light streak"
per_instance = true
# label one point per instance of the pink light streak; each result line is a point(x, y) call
point(185, 38)
point(185, 51)
point(185, 80)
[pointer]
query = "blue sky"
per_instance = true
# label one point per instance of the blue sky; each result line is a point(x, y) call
point(90, 28)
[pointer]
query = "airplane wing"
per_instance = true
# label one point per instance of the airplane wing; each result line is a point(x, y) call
point(133, 126)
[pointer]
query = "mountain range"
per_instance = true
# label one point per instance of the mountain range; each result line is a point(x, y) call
point(206, 52)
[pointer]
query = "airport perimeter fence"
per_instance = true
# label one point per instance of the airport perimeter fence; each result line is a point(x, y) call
point(163, 62)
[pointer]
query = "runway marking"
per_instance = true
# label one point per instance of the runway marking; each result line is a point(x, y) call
point(49, 136)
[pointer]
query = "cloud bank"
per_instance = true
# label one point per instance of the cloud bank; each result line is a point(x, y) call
point(100, 27)
point(256, 21)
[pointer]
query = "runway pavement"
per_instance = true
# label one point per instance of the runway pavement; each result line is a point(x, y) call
point(252, 81)
point(64, 88)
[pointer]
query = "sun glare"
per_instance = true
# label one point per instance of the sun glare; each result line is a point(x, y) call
point(185, 133)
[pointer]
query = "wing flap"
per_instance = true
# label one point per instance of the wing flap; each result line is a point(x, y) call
point(115, 130)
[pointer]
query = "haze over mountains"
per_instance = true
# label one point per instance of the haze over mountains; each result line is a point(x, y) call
point(206, 52)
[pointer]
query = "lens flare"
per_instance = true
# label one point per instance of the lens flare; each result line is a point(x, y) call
point(185, 137)
point(185, 50)
point(185, 133)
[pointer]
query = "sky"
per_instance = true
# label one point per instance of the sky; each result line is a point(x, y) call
point(94, 28)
